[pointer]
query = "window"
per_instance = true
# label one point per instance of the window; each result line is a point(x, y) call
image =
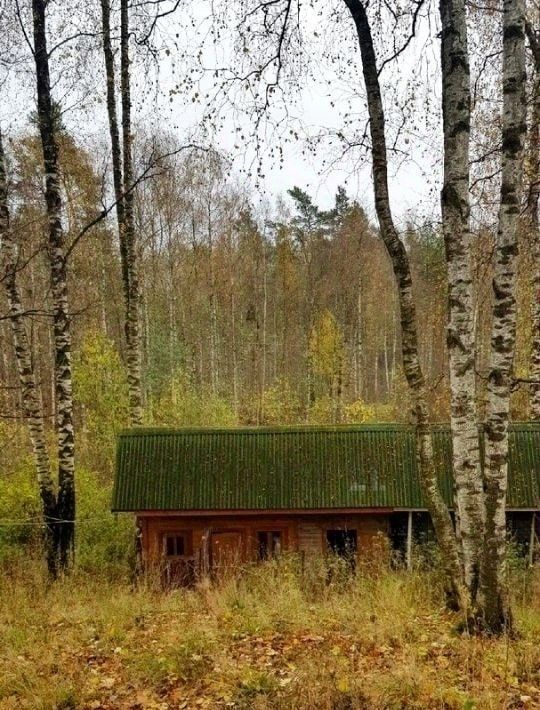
point(177, 544)
point(269, 543)
point(342, 543)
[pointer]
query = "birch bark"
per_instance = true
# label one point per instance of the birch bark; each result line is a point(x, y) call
point(533, 196)
point(122, 163)
point(494, 604)
point(411, 363)
point(455, 206)
point(133, 336)
point(31, 399)
point(114, 134)
point(59, 291)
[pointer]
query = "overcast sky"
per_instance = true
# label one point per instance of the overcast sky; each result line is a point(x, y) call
point(331, 89)
point(317, 100)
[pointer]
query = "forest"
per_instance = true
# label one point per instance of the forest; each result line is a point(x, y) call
point(265, 214)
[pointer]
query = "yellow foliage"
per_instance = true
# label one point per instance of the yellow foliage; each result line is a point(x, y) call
point(279, 635)
point(100, 390)
point(359, 412)
point(326, 349)
point(182, 405)
point(322, 411)
point(280, 404)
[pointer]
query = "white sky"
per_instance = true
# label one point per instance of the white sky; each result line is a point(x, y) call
point(319, 108)
point(315, 107)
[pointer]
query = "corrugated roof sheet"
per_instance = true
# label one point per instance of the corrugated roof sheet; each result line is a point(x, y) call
point(296, 467)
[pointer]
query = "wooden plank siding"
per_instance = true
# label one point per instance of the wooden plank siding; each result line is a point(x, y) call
point(304, 533)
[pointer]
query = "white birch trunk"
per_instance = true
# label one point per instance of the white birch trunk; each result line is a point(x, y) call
point(460, 333)
point(233, 345)
point(31, 399)
point(358, 345)
point(533, 196)
point(262, 385)
point(133, 316)
point(122, 163)
point(494, 604)
point(411, 363)
point(58, 280)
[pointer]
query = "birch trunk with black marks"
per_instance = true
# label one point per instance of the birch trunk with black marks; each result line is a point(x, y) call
point(116, 149)
point(533, 35)
point(411, 362)
point(122, 169)
point(31, 400)
point(58, 282)
point(494, 603)
point(455, 207)
point(133, 336)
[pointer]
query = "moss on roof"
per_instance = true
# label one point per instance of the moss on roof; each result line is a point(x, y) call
point(296, 467)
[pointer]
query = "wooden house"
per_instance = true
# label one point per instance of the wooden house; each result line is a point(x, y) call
point(207, 498)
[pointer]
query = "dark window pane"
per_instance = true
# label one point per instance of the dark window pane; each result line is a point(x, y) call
point(175, 545)
point(262, 539)
point(269, 543)
point(342, 542)
point(170, 546)
point(180, 547)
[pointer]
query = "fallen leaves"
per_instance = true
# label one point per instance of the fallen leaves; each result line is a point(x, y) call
point(193, 651)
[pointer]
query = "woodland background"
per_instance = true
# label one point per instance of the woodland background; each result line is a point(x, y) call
point(252, 313)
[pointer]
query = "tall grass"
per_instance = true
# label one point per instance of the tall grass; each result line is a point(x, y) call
point(279, 635)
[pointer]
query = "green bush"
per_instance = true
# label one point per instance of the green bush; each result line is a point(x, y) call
point(19, 509)
point(180, 404)
point(104, 542)
point(101, 396)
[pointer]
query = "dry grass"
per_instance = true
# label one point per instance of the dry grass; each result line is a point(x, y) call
point(270, 638)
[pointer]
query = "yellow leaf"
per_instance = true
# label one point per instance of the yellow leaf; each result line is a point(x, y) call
point(343, 685)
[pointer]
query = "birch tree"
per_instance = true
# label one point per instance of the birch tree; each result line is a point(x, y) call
point(467, 558)
point(122, 169)
point(65, 508)
point(400, 262)
point(533, 36)
point(455, 210)
point(31, 399)
point(494, 602)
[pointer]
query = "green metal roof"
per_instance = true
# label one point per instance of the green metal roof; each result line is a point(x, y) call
point(296, 467)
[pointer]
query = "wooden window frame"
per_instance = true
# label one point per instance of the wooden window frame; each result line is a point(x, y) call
point(188, 543)
point(271, 529)
point(342, 528)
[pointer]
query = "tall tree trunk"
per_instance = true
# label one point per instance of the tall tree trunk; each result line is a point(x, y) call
point(122, 169)
point(212, 299)
point(495, 608)
point(133, 336)
point(358, 345)
point(262, 379)
point(116, 149)
point(386, 362)
point(411, 362)
point(172, 309)
point(376, 373)
point(455, 207)
point(234, 353)
point(31, 399)
point(394, 341)
point(103, 293)
point(58, 276)
point(533, 196)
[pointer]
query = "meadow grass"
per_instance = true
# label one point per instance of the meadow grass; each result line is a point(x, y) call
point(272, 636)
